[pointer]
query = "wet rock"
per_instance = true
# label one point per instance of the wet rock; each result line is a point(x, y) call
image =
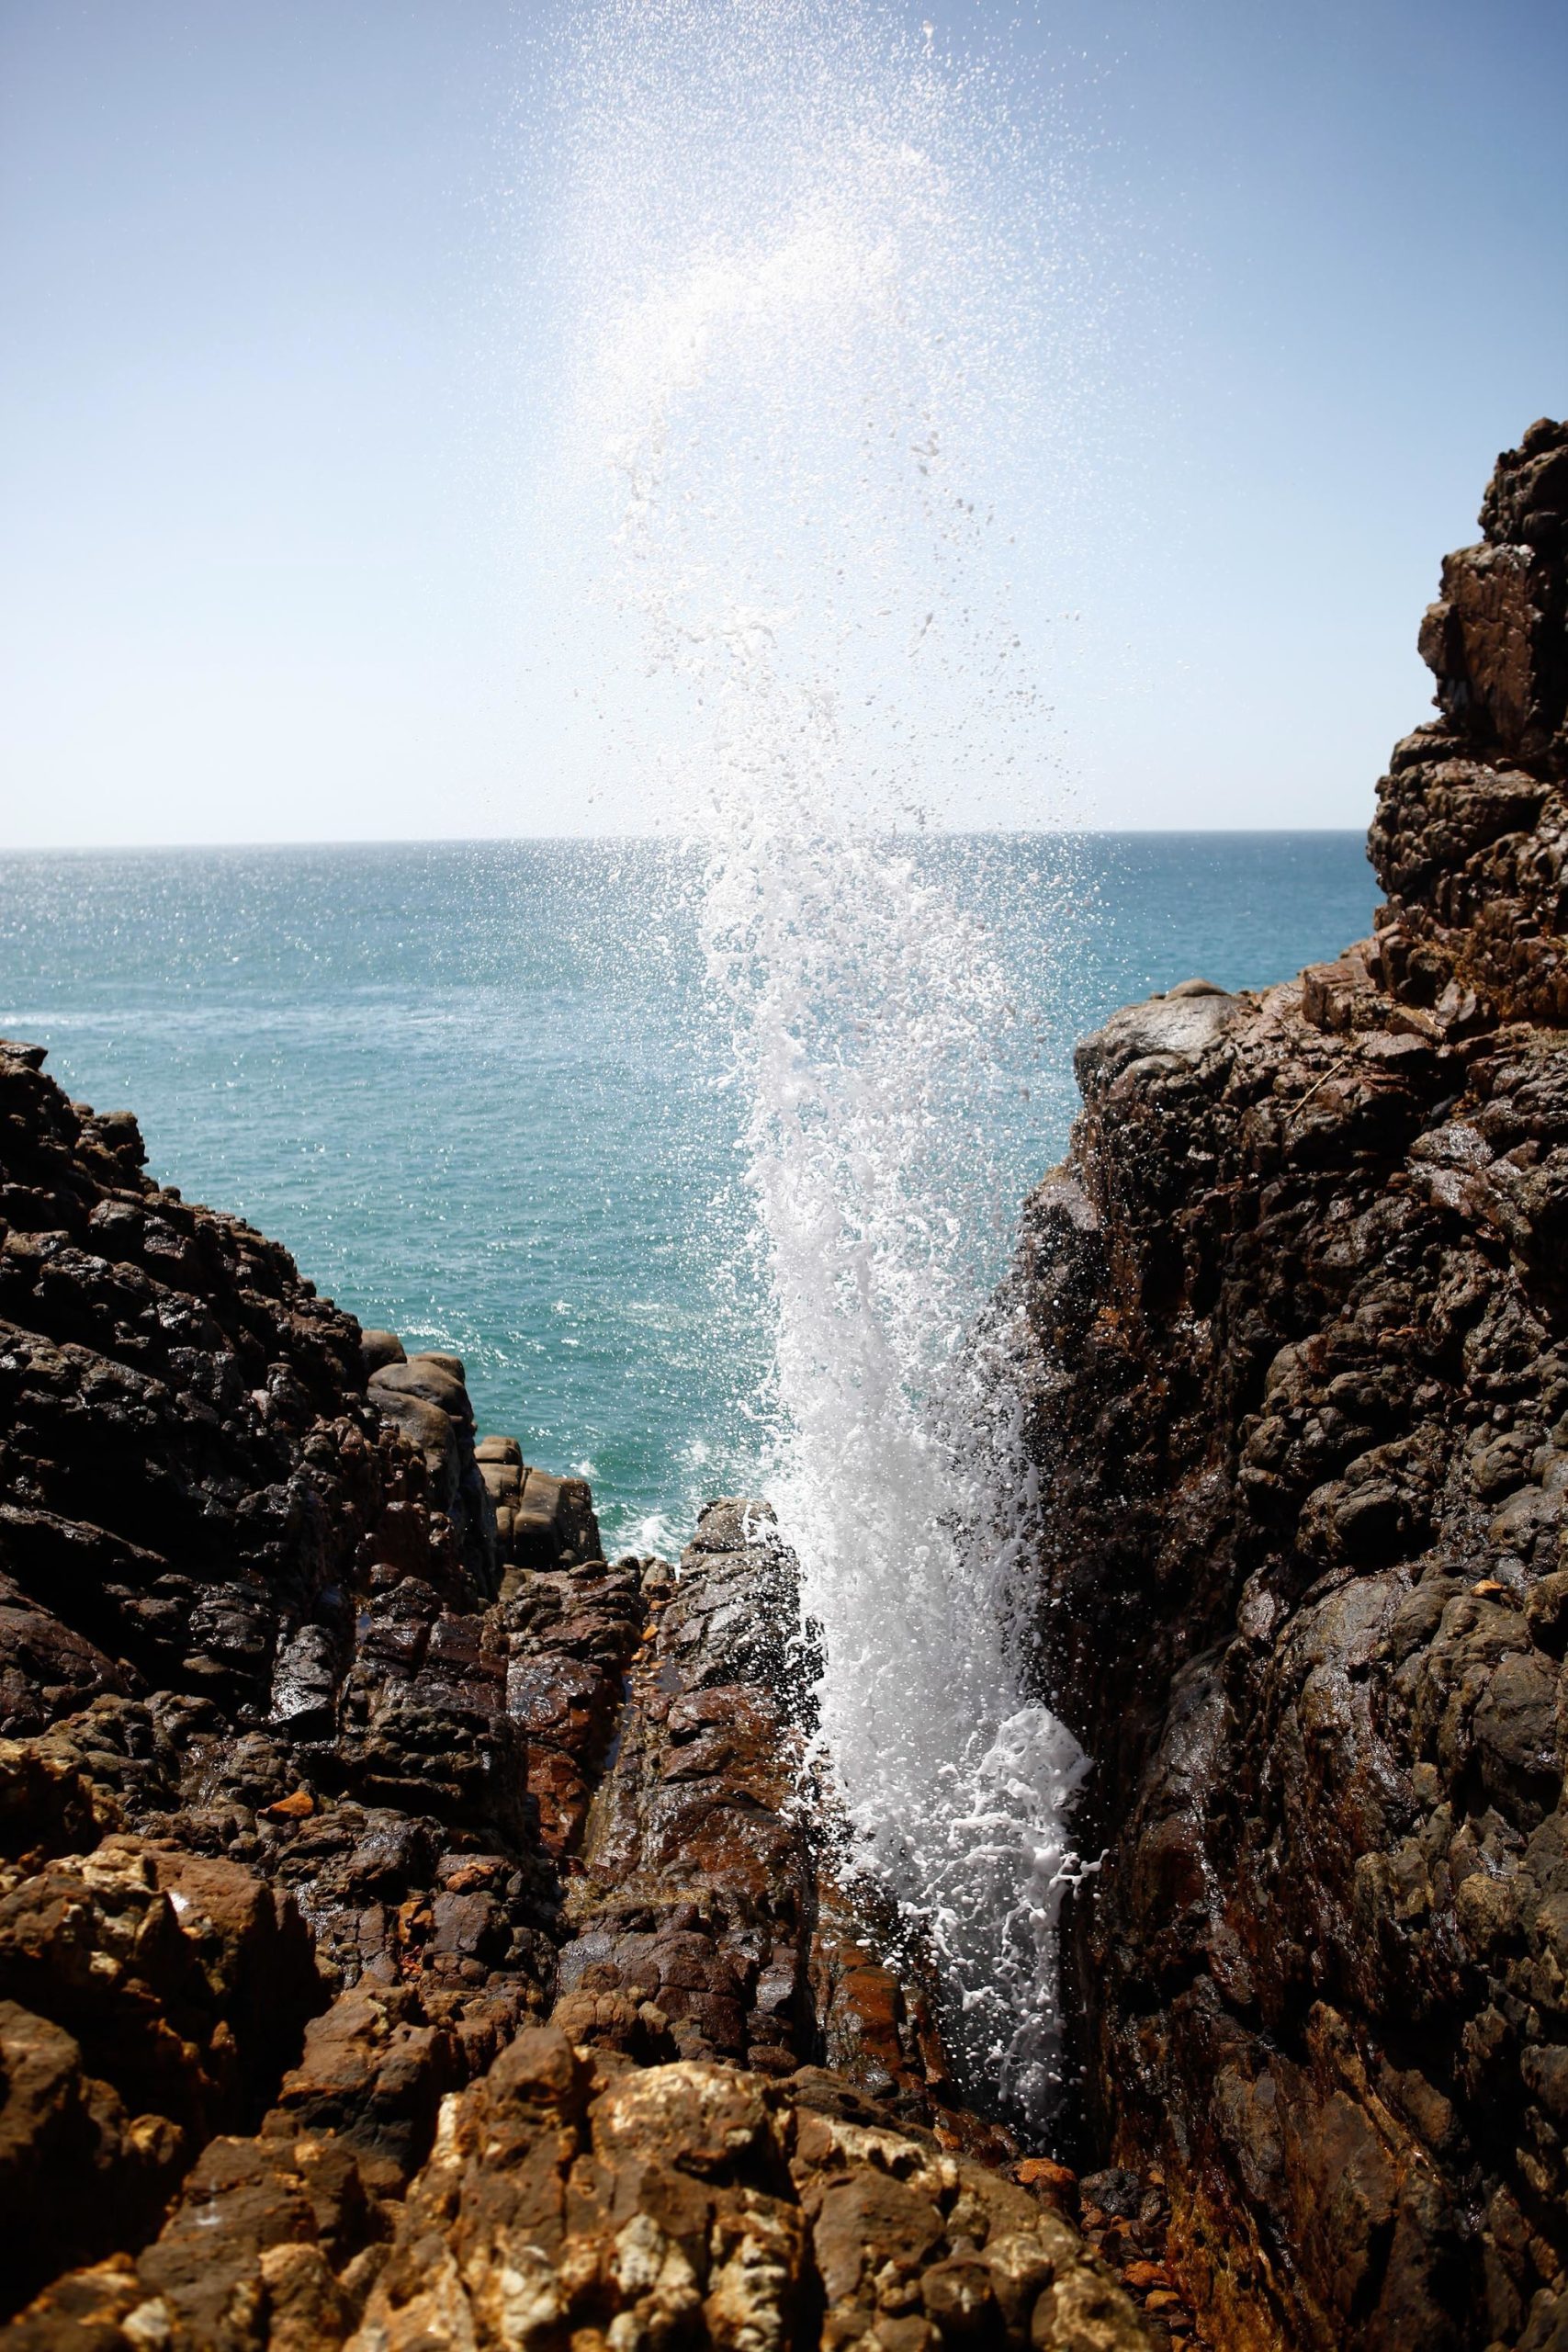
point(697, 1888)
point(1292, 1334)
point(573, 1633)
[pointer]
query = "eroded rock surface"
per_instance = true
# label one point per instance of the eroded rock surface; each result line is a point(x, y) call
point(411, 1929)
point(1299, 1378)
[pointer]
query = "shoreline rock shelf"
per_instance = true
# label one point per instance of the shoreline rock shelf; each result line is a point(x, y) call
point(412, 1931)
point(1298, 1374)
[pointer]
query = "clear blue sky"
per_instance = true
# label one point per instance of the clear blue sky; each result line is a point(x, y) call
point(270, 382)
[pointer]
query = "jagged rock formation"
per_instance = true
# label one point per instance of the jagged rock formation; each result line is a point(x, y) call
point(1299, 1372)
point(411, 1929)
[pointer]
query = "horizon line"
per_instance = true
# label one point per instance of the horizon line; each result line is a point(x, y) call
point(673, 841)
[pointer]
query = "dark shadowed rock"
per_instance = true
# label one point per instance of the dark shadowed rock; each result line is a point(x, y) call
point(1298, 1367)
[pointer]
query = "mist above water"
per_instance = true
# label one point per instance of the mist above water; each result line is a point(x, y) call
point(823, 320)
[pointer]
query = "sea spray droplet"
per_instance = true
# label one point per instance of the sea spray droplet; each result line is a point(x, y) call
point(809, 320)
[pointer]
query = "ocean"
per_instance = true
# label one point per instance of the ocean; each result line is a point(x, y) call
point(484, 1092)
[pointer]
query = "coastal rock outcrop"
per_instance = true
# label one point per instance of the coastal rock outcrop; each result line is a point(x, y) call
point(1297, 1372)
point(413, 1928)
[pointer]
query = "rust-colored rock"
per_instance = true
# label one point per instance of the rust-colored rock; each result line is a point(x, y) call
point(576, 2197)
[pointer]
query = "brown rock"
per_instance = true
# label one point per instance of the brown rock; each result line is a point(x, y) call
point(378, 1348)
point(577, 2194)
point(1291, 1329)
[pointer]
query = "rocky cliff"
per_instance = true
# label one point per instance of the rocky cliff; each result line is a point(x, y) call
point(412, 1933)
point(1298, 1373)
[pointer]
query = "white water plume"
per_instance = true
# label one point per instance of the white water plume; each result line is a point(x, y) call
point(826, 336)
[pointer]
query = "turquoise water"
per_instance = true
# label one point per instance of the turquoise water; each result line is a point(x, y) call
point(480, 1091)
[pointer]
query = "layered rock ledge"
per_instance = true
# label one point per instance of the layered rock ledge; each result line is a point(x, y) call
point(412, 1930)
point(1298, 1377)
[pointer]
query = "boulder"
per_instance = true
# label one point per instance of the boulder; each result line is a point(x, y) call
point(429, 1378)
point(380, 1349)
point(552, 1520)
